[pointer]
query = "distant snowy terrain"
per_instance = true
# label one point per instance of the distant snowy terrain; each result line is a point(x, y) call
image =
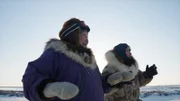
point(160, 93)
point(148, 93)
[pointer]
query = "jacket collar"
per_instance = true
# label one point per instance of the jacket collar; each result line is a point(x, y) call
point(119, 66)
point(83, 58)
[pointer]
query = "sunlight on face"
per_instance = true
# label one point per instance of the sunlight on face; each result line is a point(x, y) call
point(83, 39)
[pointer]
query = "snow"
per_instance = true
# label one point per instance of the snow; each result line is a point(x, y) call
point(162, 98)
point(148, 93)
point(13, 99)
point(152, 98)
point(160, 93)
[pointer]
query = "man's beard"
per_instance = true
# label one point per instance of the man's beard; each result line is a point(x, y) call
point(129, 61)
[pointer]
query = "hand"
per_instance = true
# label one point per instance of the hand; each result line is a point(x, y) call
point(114, 78)
point(151, 71)
point(119, 77)
point(63, 90)
point(127, 76)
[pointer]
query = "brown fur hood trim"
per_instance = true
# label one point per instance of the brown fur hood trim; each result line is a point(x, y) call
point(61, 47)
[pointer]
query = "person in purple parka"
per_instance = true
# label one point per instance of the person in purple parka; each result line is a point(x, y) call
point(67, 69)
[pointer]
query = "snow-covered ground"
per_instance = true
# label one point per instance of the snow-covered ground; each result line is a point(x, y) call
point(160, 93)
point(148, 93)
point(13, 99)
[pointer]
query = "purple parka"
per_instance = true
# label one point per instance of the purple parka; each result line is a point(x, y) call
point(59, 64)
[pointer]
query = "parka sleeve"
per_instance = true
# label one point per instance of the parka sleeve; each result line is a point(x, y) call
point(142, 79)
point(107, 71)
point(37, 74)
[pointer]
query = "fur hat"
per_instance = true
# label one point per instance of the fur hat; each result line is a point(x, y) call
point(71, 30)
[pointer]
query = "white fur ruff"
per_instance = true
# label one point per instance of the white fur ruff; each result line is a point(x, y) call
point(118, 66)
point(60, 46)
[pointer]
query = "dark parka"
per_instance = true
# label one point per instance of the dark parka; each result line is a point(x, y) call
point(58, 63)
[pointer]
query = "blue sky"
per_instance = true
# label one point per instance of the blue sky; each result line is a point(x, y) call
point(150, 27)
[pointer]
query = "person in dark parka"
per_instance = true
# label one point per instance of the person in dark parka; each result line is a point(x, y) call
point(67, 69)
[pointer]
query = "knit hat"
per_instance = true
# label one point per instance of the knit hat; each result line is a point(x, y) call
point(120, 50)
point(71, 30)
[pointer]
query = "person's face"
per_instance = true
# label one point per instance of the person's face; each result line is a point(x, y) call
point(83, 39)
point(128, 52)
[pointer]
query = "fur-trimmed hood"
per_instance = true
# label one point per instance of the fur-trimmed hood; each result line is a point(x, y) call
point(61, 47)
point(118, 66)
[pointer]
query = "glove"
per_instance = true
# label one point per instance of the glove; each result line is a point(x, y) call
point(114, 78)
point(119, 77)
point(150, 71)
point(63, 90)
point(127, 76)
